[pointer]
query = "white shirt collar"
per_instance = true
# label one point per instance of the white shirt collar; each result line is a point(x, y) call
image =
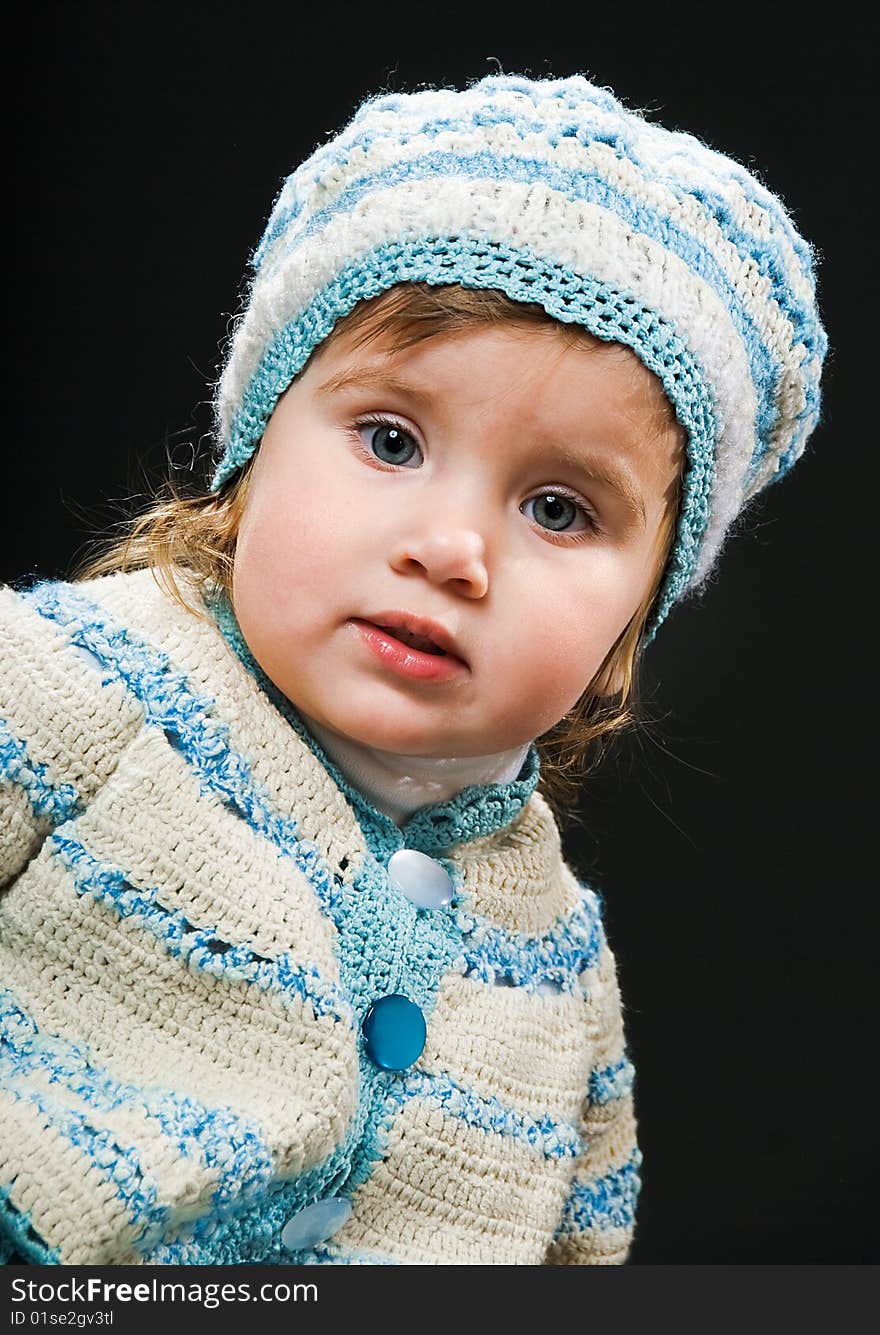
point(398, 785)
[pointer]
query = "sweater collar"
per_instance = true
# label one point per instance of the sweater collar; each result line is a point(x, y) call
point(477, 810)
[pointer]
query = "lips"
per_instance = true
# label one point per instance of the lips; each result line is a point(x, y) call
point(418, 632)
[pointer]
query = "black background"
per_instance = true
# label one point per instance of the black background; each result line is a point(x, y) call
point(730, 836)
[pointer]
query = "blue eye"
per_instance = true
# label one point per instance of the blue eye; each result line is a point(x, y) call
point(559, 511)
point(390, 443)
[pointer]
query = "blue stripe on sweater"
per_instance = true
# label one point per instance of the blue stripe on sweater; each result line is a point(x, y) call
point(604, 1202)
point(218, 1136)
point(117, 1164)
point(612, 1082)
point(56, 801)
point(282, 976)
point(255, 1234)
point(572, 945)
point(187, 719)
point(553, 1139)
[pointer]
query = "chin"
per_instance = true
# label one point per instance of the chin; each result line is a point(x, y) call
point(399, 741)
point(384, 735)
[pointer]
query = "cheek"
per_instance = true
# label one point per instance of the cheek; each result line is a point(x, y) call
point(545, 675)
point(566, 660)
point(289, 541)
point(559, 643)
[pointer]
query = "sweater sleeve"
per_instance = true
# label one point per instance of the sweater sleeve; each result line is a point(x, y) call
point(63, 727)
point(598, 1220)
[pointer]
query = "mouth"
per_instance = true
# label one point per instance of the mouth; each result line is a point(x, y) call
point(411, 652)
point(419, 633)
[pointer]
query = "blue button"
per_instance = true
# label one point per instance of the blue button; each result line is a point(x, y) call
point(394, 1032)
point(420, 878)
point(316, 1223)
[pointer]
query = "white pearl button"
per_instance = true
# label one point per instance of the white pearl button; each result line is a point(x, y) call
point(316, 1223)
point(420, 878)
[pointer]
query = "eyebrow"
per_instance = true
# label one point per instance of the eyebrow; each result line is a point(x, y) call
point(607, 473)
point(616, 477)
point(365, 378)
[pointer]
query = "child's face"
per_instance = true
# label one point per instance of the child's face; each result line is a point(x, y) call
point(425, 487)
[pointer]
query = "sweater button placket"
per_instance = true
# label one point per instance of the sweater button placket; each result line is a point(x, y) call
point(394, 1032)
point(394, 1027)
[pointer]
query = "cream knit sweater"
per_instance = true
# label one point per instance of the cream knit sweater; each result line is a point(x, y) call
point(195, 915)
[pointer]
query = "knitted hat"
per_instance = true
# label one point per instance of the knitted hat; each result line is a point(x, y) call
point(552, 192)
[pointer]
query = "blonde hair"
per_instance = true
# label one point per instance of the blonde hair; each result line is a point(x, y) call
point(198, 532)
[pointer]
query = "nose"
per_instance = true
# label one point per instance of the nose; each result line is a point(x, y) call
point(455, 556)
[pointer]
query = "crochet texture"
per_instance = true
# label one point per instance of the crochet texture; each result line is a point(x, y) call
point(195, 915)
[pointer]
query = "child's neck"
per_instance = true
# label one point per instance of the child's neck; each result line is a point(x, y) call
point(398, 785)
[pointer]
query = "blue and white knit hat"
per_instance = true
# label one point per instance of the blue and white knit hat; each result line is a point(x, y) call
point(553, 192)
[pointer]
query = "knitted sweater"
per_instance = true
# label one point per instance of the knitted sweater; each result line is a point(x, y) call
point(195, 917)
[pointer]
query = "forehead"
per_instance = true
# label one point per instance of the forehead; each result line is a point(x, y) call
point(542, 344)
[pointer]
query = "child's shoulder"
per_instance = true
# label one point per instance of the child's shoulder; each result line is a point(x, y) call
point(64, 719)
point(61, 623)
point(60, 607)
point(64, 643)
point(113, 652)
point(47, 630)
